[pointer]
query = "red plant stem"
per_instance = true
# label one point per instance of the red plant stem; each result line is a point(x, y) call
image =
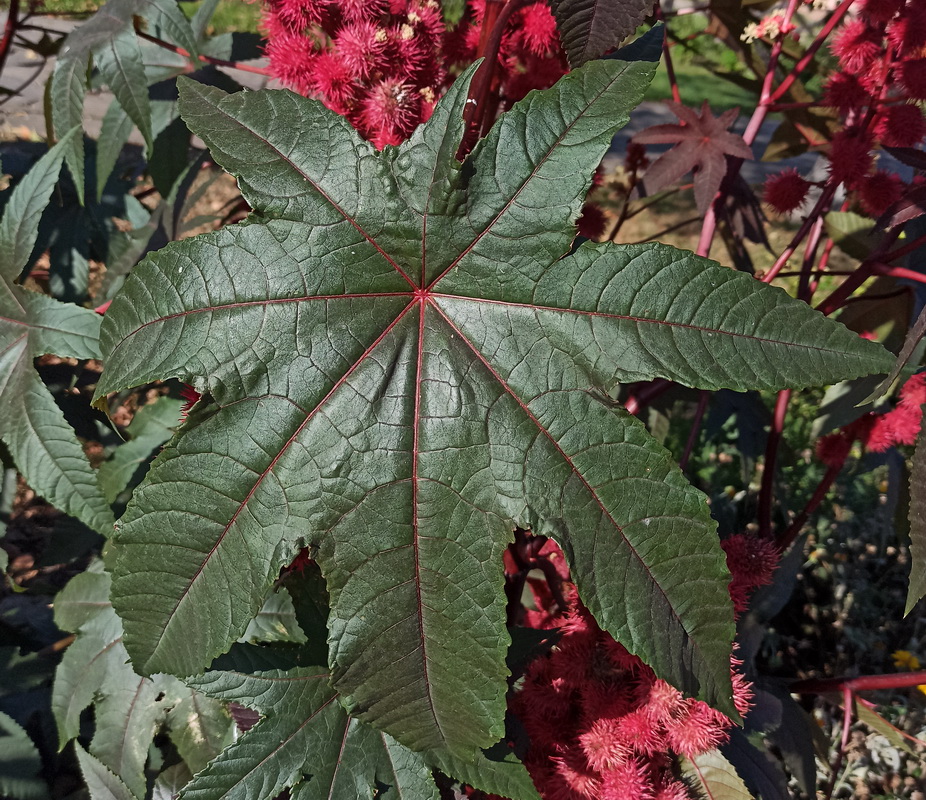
point(898, 272)
point(906, 249)
point(861, 683)
point(821, 265)
point(219, 62)
point(864, 271)
point(667, 57)
point(815, 45)
point(495, 21)
point(786, 539)
point(9, 30)
point(767, 488)
point(806, 226)
point(640, 400)
point(804, 290)
point(709, 228)
point(695, 429)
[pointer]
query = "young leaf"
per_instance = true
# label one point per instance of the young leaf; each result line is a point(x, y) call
point(306, 740)
point(152, 426)
point(714, 777)
point(41, 442)
point(917, 587)
point(101, 782)
point(127, 707)
point(589, 28)
point(402, 363)
point(20, 764)
point(702, 144)
point(120, 63)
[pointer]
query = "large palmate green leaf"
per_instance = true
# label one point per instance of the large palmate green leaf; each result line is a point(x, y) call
point(41, 442)
point(307, 740)
point(401, 361)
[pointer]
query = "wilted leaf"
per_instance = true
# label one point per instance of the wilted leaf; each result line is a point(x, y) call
point(400, 362)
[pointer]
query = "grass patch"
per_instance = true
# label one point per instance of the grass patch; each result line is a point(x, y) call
point(230, 15)
point(696, 84)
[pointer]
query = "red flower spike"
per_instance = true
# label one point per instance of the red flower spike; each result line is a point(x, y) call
point(785, 191)
point(332, 80)
point(857, 46)
point(913, 77)
point(902, 125)
point(879, 191)
point(850, 157)
point(637, 733)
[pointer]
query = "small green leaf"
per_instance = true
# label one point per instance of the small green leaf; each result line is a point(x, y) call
point(153, 425)
point(114, 133)
point(714, 777)
point(19, 227)
point(275, 622)
point(101, 782)
point(120, 64)
point(917, 587)
point(40, 441)
point(20, 764)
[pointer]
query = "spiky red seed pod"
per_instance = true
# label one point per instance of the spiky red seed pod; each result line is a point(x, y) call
point(907, 33)
point(390, 111)
point(857, 46)
point(879, 191)
point(360, 45)
point(880, 11)
point(850, 157)
point(845, 92)
point(538, 29)
point(631, 780)
point(902, 125)
point(603, 745)
point(785, 191)
point(292, 60)
point(363, 10)
point(912, 74)
point(333, 81)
